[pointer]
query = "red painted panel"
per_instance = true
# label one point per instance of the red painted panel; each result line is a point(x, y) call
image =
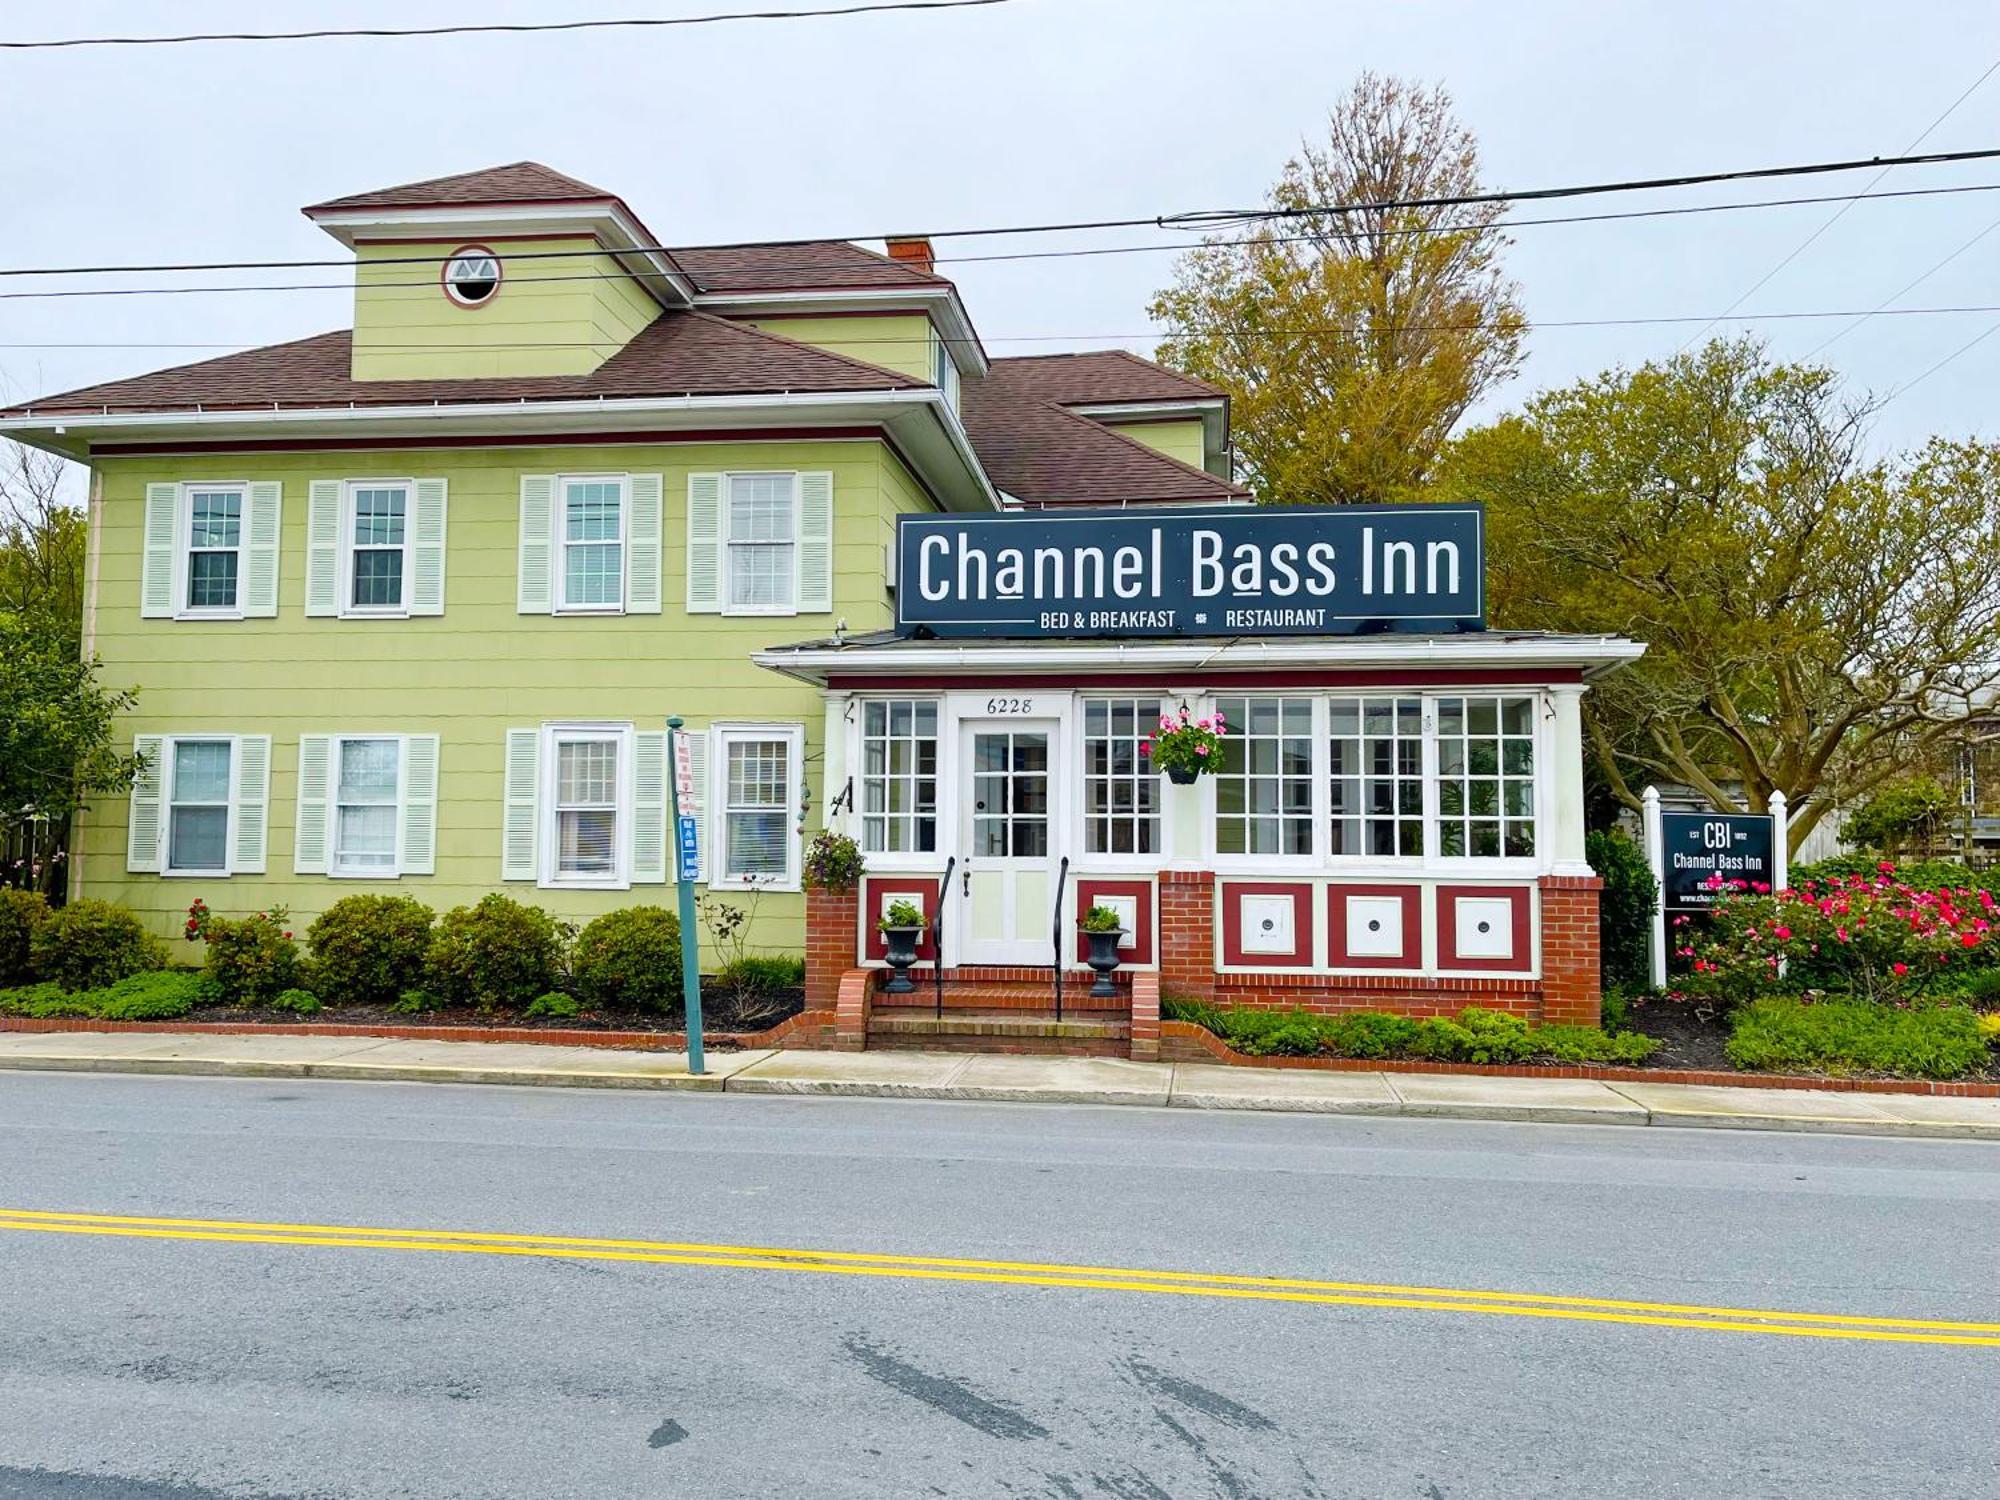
point(921, 890)
point(1231, 895)
point(1090, 889)
point(1517, 896)
point(1411, 897)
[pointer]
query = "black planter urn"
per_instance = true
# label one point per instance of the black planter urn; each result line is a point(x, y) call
point(1103, 958)
point(1183, 775)
point(901, 943)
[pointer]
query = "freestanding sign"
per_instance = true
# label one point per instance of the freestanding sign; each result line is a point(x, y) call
point(1246, 570)
point(687, 867)
point(1695, 855)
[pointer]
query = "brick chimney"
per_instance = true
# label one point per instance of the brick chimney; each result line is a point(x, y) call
point(912, 250)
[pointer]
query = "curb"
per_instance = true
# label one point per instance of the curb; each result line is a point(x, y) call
point(1634, 1112)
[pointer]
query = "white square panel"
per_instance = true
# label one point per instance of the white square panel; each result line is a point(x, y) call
point(1266, 924)
point(1374, 926)
point(1127, 908)
point(1483, 926)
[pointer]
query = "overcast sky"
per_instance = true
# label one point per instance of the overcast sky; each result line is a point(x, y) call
point(1031, 111)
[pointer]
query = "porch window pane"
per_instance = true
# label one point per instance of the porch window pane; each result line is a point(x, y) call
point(1375, 759)
point(1264, 791)
point(1486, 777)
point(899, 776)
point(1120, 788)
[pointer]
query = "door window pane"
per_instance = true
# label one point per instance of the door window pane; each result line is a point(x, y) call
point(1010, 795)
point(899, 776)
point(1263, 801)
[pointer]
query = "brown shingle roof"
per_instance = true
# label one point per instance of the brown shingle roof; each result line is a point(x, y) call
point(1041, 453)
point(678, 354)
point(517, 182)
point(820, 265)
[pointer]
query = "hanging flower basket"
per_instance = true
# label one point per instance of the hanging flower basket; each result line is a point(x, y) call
point(1185, 747)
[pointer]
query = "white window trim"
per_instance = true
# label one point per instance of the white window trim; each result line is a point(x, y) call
point(893, 859)
point(717, 832)
point(560, 543)
point(728, 573)
point(1430, 865)
point(548, 843)
point(349, 610)
point(184, 548)
point(168, 745)
point(394, 869)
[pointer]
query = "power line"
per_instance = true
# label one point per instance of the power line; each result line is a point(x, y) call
point(1839, 213)
point(1907, 288)
point(1396, 231)
point(1966, 348)
point(495, 28)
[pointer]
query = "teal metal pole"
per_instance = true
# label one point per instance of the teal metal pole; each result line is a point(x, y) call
point(684, 879)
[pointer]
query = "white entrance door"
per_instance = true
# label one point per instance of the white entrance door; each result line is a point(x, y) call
point(1006, 841)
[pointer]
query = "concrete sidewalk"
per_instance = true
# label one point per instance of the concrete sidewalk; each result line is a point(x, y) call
point(1070, 1080)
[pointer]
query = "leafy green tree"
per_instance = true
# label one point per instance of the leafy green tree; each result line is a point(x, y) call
point(1910, 809)
point(1817, 621)
point(41, 539)
point(1352, 343)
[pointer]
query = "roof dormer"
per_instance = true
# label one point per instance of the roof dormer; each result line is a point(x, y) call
point(507, 272)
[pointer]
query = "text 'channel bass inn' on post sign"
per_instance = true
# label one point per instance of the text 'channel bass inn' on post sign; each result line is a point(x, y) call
point(1258, 571)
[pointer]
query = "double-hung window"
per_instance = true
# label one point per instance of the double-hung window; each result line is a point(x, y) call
point(588, 804)
point(377, 522)
point(367, 795)
point(1263, 794)
point(758, 780)
point(590, 565)
point(198, 781)
point(1121, 810)
point(760, 514)
point(899, 776)
point(214, 549)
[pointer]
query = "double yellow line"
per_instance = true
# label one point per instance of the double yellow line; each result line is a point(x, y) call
point(1014, 1273)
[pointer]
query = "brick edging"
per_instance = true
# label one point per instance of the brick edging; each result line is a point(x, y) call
point(1206, 1041)
point(640, 1041)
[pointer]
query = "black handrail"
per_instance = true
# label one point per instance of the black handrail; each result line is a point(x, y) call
point(1055, 934)
point(937, 935)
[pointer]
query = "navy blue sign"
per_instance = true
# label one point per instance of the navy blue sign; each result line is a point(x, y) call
point(1281, 570)
point(1698, 847)
point(689, 846)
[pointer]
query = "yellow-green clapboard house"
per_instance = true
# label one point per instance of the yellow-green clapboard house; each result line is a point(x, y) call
point(407, 605)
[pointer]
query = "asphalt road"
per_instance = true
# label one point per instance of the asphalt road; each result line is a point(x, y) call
point(228, 1355)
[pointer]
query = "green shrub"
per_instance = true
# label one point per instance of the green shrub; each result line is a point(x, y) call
point(1614, 1011)
point(1907, 809)
point(366, 950)
point(1624, 909)
point(300, 1002)
point(1195, 1012)
point(1980, 989)
point(630, 960)
point(758, 975)
point(1923, 874)
point(1479, 1036)
point(496, 954)
point(554, 1006)
point(22, 914)
point(90, 944)
point(1369, 1033)
point(1850, 1036)
point(416, 1003)
point(252, 959)
point(1475, 1035)
point(158, 995)
point(38, 1001)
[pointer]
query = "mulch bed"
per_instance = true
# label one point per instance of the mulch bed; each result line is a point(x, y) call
point(721, 1012)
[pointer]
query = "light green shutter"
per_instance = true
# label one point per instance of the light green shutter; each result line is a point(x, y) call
point(698, 757)
point(156, 588)
point(416, 852)
point(517, 835)
point(312, 852)
point(642, 546)
point(251, 803)
point(323, 547)
point(427, 536)
point(649, 813)
point(704, 551)
point(538, 505)
point(815, 543)
point(143, 832)
point(262, 532)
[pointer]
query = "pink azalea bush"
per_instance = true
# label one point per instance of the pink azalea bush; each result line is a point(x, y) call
point(1187, 744)
point(1874, 937)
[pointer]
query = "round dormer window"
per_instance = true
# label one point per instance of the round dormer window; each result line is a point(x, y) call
point(472, 276)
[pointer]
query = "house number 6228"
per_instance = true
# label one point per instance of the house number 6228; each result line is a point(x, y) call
point(1010, 705)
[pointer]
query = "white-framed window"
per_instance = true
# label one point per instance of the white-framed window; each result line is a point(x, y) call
point(199, 779)
point(1375, 764)
point(899, 776)
point(367, 804)
point(212, 521)
point(1486, 777)
point(589, 806)
point(471, 275)
point(757, 776)
point(1263, 794)
point(760, 520)
point(944, 370)
point(1121, 791)
point(375, 546)
point(591, 512)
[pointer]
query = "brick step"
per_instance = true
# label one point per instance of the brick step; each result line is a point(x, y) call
point(964, 1024)
point(1002, 1046)
point(999, 997)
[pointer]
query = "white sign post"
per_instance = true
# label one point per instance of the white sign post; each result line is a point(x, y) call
point(1656, 860)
